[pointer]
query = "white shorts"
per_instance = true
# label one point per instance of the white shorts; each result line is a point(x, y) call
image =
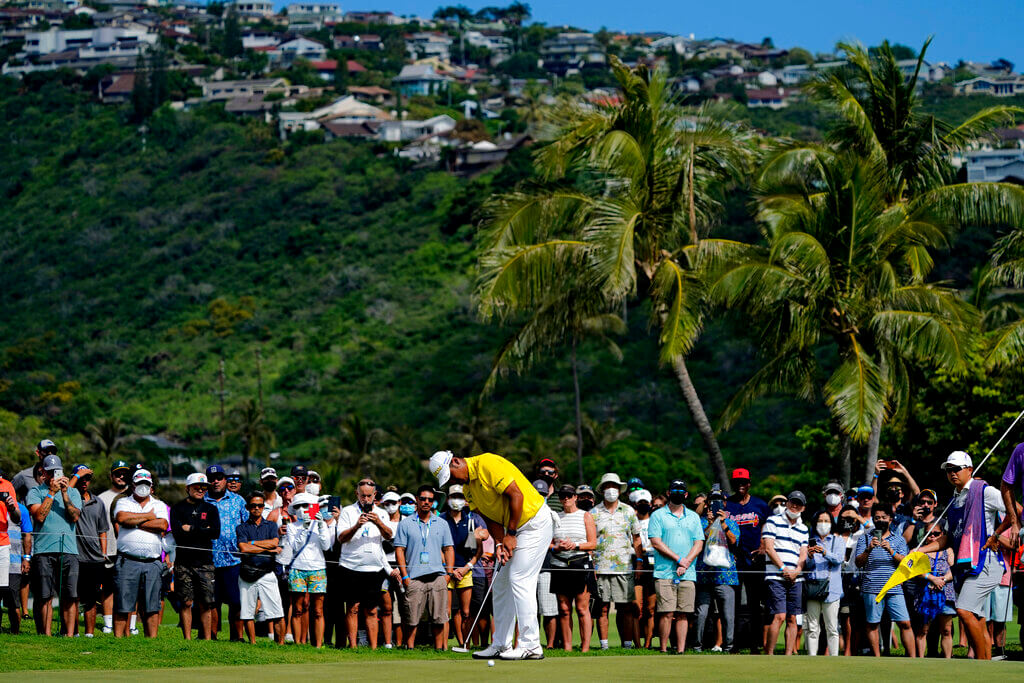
point(5, 564)
point(974, 595)
point(266, 591)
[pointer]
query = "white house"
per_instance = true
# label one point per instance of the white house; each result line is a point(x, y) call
point(252, 8)
point(108, 40)
point(997, 86)
point(400, 131)
point(255, 39)
point(429, 44)
point(995, 165)
point(305, 48)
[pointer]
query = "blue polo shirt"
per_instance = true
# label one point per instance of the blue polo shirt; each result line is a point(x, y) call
point(679, 533)
point(418, 537)
point(231, 508)
point(57, 533)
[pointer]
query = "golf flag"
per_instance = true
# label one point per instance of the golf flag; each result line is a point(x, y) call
point(914, 564)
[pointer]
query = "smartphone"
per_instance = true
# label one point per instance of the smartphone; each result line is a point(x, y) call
point(314, 510)
point(716, 506)
point(877, 534)
point(58, 474)
point(334, 502)
point(3, 496)
point(813, 542)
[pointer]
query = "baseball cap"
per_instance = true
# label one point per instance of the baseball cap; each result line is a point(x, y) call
point(52, 462)
point(142, 475)
point(865, 490)
point(610, 478)
point(677, 485)
point(547, 461)
point(300, 471)
point(798, 496)
point(741, 473)
point(957, 459)
point(439, 462)
point(196, 478)
point(567, 490)
point(119, 465)
point(268, 473)
point(235, 473)
point(634, 484)
point(390, 497)
point(214, 469)
point(455, 489)
point(584, 488)
point(833, 485)
point(44, 444)
point(285, 481)
point(643, 494)
point(541, 486)
point(312, 473)
point(928, 492)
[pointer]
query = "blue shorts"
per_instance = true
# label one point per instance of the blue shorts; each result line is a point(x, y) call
point(225, 585)
point(785, 598)
point(894, 603)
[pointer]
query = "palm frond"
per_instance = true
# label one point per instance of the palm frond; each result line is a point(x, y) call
point(790, 373)
point(677, 296)
point(856, 392)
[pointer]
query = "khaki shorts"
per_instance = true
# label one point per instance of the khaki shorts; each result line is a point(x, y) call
point(615, 588)
point(675, 597)
point(427, 599)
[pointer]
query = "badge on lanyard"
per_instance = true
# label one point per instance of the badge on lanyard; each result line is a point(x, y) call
point(424, 535)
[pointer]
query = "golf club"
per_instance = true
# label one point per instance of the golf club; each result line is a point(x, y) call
point(483, 603)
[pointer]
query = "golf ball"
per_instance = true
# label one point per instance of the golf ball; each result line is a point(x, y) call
point(490, 662)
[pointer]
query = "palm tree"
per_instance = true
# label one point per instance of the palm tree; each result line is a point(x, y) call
point(355, 445)
point(626, 191)
point(997, 294)
point(248, 424)
point(844, 268)
point(475, 430)
point(106, 437)
point(595, 436)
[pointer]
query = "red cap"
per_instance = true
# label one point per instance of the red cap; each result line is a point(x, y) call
point(740, 473)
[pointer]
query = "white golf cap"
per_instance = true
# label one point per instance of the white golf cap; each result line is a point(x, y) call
point(142, 475)
point(957, 459)
point(268, 473)
point(455, 488)
point(285, 481)
point(312, 473)
point(610, 478)
point(196, 478)
point(642, 494)
point(390, 497)
point(439, 466)
point(407, 496)
point(303, 499)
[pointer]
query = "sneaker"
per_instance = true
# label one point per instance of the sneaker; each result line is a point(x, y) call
point(604, 646)
point(388, 646)
point(134, 631)
point(289, 638)
point(362, 640)
point(489, 652)
point(89, 635)
point(716, 649)
point(520, 653)
point(108, 629)
point(698, 650)
point(998, 658)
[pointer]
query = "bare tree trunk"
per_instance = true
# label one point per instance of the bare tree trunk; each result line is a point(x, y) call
point(700, 419)
point(579, 411)
point(873, 441)
point(844, 459)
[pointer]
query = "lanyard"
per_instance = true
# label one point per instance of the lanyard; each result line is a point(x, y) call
point(424, 535)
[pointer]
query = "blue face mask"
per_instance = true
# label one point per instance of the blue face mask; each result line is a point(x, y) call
point(407, 509)
point(433, 506)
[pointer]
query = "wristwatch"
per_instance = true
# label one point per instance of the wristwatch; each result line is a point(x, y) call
point(511, 532)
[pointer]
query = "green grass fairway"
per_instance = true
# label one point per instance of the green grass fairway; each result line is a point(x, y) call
point(598, 668)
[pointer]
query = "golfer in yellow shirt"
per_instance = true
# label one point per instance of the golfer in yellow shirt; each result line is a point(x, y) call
point(520, 524)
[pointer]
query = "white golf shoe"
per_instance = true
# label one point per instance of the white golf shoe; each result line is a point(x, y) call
point(519, 653)
point(489, 652)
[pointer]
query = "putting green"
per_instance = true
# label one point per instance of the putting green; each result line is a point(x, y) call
point(645, 668)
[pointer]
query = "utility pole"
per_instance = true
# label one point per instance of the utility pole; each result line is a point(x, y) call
point(259, 377)
point(221, 394)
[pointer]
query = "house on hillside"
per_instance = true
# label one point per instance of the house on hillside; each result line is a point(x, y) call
point(229, 90)
point(252, 9)
point(400, 131)
point(420, 79)
point(386, 18)
point(305, 48)
point(772, 98)
point(116, 88)
point(997, 86)
point(315, 15)
point(363, 41)
point(428, 44)
point(569, 53)
point(327, 67)
point(369, 93)
point(345, 109)
point(367, 130)
point(253, 40)
point(108, 40)
point(995, 166)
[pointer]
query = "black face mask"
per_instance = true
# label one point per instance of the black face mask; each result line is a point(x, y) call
point(269, 485)
point(882, 526)
point(893, 495)
point(677, 497)
point(847, 524)
point(585, 504)
point(643, 507)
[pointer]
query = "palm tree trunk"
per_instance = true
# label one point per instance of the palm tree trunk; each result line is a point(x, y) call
point(691, 201)
point(700, 419)
point(844, 459)
point(873, 440)
point(579, 411)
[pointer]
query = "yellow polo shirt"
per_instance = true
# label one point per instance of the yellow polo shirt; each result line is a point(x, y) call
point(489, 476)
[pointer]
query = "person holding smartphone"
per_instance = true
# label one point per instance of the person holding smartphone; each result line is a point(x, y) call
point(878, 554)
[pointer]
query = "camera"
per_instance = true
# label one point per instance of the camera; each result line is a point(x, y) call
point(716, 506)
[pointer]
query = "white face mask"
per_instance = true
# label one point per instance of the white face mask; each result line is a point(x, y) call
point(456, 504)
point(823, 529)
point(832, 499)
point(313, 488)
point(391, 508)
point(611, 494)
point(143, 490)
point(779, 509)
point(791, 514)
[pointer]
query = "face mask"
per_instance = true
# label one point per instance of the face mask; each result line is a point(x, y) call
point(847, 524)
point(894, 495)
point(643, 507)
point(611, 494)
point(779, 509)
point(313, 489)
point(832, 499)
point(269, 485)
point(433, 506)
point(390, 508)
point(585, 504)
point(823, 529)
point(143, 490)
point(677, 497)
point(407, 509)
point(456, 504)
point(882, 526)
point(791, 514)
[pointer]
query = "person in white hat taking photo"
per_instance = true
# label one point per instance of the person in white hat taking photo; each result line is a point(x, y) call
point(971, 519)
point(522, 530)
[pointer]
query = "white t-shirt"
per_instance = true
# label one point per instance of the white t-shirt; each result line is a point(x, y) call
point(271, 505)
point(138, 542)
point(107, 498)
point(994, 506)
point(392, 560)
point(364, 552)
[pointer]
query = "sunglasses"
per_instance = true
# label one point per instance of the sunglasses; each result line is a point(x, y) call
point(426, 500)
point(548, 473)
point(953, 470)
point(216, 477)
point(313, 480)
point(286, 487)
point(256, 506)
point(566, 495)
point(934, 534)
point(235, 480)
point(301, 506)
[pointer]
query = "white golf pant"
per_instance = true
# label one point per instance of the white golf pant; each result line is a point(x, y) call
point(515, 586)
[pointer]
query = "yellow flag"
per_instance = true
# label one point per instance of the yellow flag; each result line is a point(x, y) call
point(914, 564)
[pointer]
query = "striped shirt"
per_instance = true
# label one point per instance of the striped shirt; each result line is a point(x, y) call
point(788, 542)
point(572, 526)
point(881, 564)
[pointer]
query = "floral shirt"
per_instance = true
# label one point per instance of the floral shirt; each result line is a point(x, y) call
point(615, 531)
point(719, 576)
point(231, 508)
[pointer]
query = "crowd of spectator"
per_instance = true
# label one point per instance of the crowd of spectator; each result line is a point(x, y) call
point(678, 571)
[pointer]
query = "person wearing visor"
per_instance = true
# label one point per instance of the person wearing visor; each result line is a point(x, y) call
point(407, 504)
point(313, 482)
point(391, 594)
point(299, 476)
point(585, 499)
point(518, 520)
point(195, 524)
point(971, 520)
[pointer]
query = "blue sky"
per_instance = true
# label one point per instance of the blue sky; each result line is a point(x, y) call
point(981, 30)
